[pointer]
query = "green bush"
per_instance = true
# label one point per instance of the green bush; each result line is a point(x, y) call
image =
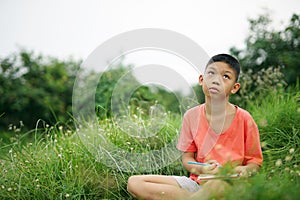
point(35, 87)
point(130, 93)
point(265, 47)
point(258, 84)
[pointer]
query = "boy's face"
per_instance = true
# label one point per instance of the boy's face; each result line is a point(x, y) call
point(219, 80)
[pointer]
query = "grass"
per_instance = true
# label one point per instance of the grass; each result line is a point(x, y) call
point(278, 118)
point(61, 163)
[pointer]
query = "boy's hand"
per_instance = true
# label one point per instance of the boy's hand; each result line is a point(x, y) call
point(213, 168)
point(247, 170)
point(243, 171)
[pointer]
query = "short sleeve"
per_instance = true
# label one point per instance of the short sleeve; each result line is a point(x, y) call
point(186, 139)
point(253, 152)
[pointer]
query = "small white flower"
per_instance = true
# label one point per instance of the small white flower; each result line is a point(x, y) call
point(292, 150)
point(278, 162)
point(263, 144)
point(288, 158)
point(287, 169)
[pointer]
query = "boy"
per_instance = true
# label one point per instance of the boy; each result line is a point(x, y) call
point(215, 133)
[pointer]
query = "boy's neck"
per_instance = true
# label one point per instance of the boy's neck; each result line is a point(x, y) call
point(219, 115)
point(216, 107)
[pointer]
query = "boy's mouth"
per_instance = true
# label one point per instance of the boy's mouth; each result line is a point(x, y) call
point(213, 90)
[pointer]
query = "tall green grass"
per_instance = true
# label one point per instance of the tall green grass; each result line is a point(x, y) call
point(278, 118)
point(57, 163)
point(54, 166)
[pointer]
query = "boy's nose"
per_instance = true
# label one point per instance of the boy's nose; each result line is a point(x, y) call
point(216, 80)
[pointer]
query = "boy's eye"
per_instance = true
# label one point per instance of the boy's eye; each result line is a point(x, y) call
point(210, 73)
point(226, 76)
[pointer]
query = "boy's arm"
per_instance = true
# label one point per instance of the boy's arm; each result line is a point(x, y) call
point(197, 169)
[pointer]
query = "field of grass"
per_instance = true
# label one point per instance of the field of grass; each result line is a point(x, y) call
point(59, 162)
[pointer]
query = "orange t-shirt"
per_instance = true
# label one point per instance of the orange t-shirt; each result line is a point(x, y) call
point(239, 144)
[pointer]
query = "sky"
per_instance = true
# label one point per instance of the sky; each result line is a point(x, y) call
point(75, 28)
point(65, 28)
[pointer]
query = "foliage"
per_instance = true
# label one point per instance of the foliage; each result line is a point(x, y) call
point(34, 87)
point(261, 84)
point(263, 186)
point(118, 86)
point(58, 165)
point(266, 47)
point(53, 167)
point(278, 117)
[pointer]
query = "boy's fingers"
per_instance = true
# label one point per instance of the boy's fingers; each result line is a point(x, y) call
point(242, 171)
point(213, 162)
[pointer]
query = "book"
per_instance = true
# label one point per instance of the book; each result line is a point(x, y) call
point(211, 177)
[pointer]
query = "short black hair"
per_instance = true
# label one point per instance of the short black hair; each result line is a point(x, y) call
point(230, 60)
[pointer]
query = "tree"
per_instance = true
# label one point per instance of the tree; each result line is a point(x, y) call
point(35, 87)
point(266, 47)
point(118, 86)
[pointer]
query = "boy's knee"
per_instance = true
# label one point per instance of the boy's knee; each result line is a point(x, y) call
point(212, 189)
point(217, 185)
point(133, 183)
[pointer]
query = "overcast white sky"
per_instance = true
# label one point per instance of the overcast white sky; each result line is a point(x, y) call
point(76, 27)
point(63, 28)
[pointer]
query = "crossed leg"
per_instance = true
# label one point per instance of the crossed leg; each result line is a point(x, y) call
point(155, 187)
point(166, 187)
point(211, 189)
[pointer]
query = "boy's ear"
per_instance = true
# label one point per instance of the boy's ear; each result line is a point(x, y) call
point(235, 88)
point(201, 79)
